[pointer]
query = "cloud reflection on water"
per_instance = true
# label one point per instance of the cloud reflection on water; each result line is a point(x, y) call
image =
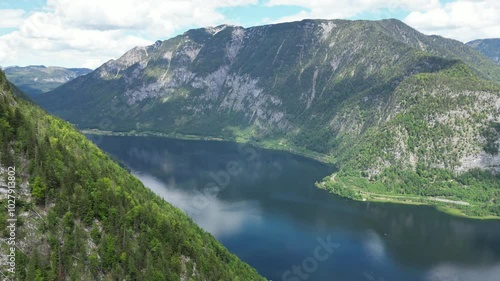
point(218, 217)
point(448, 272)
point(374, 246)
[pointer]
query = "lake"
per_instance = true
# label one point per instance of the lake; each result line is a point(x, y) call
point(263, 206)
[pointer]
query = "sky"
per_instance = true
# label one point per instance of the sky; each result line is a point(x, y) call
point(87, 33)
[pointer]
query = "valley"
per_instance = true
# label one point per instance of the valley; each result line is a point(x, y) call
point(380, 100)
point(229, 146)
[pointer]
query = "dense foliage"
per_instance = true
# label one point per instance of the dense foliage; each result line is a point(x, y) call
point(85, 218)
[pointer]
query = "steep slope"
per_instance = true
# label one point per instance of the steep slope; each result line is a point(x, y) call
point(326, 88)
point(286, 71)
point(80, 216)
point(38, 79)
point(488, 47)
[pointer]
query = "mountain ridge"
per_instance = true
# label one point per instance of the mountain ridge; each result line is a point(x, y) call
point(490, 47)
point(38, 79)
point(318, 86)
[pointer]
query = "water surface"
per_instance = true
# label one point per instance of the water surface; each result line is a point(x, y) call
point(263, 206)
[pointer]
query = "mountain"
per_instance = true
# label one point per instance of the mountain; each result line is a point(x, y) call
point(488, 47)
point(38, 79)
point(382, 101)
point(80, 216)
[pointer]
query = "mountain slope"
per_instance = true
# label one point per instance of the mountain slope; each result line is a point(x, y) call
point(440, 147)
point(80, 216)
point(38, 79)
point(488, 47)
point(323, 88)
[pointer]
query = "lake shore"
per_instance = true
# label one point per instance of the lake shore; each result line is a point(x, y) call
point(440, 204)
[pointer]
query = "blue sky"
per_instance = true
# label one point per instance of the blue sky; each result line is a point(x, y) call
point(22, 4)
point(89, 32)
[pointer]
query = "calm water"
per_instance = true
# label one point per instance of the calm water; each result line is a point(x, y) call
point(263, 206)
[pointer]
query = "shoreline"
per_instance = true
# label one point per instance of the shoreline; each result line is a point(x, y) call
point(445, 209)
point(368, 196)
point(414, 201)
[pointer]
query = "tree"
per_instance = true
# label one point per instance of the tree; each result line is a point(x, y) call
point(38, 189)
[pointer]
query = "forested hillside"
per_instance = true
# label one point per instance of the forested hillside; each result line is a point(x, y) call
point(83, 217)
point(423, 152)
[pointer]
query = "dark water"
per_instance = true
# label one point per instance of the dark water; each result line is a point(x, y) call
point(263, 206)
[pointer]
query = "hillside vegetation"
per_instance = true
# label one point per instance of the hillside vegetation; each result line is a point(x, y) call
point(83, 217)
point(422, 154)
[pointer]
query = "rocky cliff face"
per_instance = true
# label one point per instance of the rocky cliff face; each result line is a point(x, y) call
point(440, 124)
point(327, 86)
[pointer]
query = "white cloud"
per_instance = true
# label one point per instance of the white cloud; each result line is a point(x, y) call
point(43, 39)
point(463, 20)
point(11, 17)
point(90, 32)
point(5, 51)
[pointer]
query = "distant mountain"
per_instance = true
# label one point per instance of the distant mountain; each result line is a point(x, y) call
point(370, 96)
point(488, 47)
point(38, 79)
point(80, 216)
